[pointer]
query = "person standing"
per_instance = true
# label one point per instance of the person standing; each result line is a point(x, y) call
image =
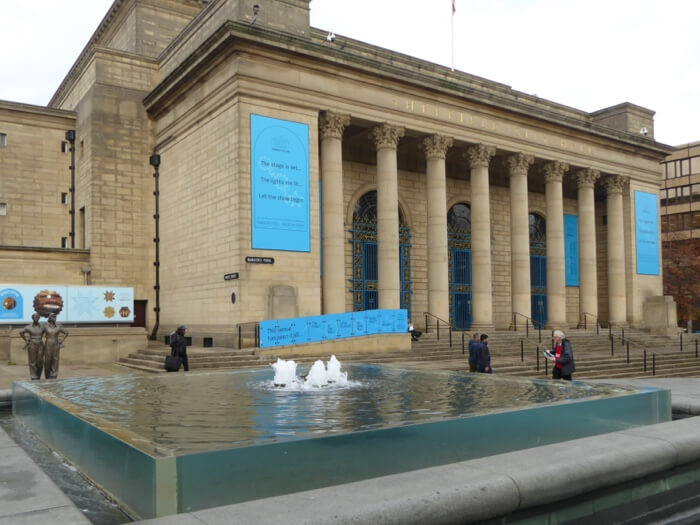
point(33, 334)
point(178, 345)
point(52, 347)
point(562, 357)
point(483, 360)
point(473, 349)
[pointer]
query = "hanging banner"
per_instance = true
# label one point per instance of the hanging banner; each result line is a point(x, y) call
point(71, 304)
point(571, 249)
point(279, 170)
point(646, 228)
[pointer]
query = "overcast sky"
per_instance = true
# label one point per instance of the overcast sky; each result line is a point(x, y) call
point(588, 54)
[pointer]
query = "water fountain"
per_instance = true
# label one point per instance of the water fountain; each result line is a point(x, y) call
point(180, 442)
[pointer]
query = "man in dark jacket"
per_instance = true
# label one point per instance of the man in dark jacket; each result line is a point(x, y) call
point(178, 345)
point(473, 350)
point(562, 357)
point(483, 357)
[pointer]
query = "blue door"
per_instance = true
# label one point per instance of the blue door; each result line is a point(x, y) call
point(538, 286)
point(461, 289)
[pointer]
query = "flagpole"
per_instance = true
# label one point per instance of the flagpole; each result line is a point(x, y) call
point(452, 36)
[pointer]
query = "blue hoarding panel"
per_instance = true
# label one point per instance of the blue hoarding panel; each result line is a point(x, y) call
point(359, 323)
point(279, 158)
point(571, 249)
point(646, 227)
point(372, 321)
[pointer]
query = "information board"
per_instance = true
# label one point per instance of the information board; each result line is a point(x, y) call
point(71, 304)
point(311, 329)
point(279, 169)
point(646, 228)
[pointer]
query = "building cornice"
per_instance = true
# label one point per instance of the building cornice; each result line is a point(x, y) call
point(380, 62)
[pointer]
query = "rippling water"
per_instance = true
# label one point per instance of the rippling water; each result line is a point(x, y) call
point(213, 410)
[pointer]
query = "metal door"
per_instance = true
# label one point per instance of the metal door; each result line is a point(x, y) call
point(461, 288)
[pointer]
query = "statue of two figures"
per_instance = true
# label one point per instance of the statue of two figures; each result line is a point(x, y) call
point(44, 342)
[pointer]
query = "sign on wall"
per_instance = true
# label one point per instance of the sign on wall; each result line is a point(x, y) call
point(571, 249)
point(311, 329)
point(646, 227)
point(71, 304)
point(279, 170)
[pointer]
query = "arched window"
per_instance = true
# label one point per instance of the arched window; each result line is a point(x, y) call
point(364, 255)
point(538, 234)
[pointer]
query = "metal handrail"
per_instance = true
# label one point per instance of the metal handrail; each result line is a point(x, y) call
point(585, 321)
point(528, 320)
point(437, 323)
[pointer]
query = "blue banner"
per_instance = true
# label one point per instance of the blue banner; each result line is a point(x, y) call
point(571, 249)
point(332, 326)
point(646, 227)
point(279, 171)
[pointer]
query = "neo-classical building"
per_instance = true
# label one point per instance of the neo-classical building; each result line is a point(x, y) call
point(319, 175)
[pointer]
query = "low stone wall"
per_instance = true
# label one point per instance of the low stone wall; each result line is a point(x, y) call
point(351, 345)
point(87, 345)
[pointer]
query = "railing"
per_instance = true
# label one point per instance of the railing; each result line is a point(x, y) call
point(247, 333)
point(585, 316)
point(527, 321)
point(445, 324)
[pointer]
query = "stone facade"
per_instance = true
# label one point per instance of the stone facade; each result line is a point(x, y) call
point(180, 80)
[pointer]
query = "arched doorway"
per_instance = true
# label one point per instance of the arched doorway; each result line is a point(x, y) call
point(538, 269)
point(460, 265)
point(364, 256)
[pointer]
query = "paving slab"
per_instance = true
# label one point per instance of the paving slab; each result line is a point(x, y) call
point(27, 493)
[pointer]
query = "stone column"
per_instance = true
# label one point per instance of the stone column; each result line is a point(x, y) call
point(556, 278)
point(519, 235)
point(479, 157)
point(386, 138)
point(435, 148)
point(331, 126)
point(587, 253)
point(617, 299)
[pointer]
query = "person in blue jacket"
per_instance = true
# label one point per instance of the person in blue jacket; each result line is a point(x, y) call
point(483, 360)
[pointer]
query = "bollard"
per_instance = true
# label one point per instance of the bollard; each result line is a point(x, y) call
point(462, 343)
point(522, 351)
point(653, 364)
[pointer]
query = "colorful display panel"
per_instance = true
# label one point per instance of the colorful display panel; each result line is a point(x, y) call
point(71, 304)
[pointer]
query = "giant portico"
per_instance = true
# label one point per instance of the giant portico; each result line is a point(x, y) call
point(427, 189)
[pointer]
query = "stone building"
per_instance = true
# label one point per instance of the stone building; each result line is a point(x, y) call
point(412, 186)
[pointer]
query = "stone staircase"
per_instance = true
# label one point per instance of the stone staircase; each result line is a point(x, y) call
point(592, 352)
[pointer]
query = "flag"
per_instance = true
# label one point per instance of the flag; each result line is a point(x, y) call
point(454, 8)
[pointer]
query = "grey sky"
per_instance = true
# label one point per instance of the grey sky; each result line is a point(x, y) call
point(588, 54)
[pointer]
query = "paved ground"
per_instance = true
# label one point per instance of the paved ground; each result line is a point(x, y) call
point(27, 495)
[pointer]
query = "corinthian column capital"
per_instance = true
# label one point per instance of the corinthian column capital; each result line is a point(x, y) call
point(519, 163)
point(332, 125)
point(586, 177)
point(386, 136)
point(479, 155)
point(436, 146)
point(554, 171)
point(614, 184)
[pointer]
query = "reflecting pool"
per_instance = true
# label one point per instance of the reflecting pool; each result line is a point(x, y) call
point(181, 442)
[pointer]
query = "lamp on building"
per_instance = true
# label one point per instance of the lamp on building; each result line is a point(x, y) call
point(154, 160)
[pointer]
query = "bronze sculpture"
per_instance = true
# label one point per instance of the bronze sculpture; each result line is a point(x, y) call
point(34, 346)
point(52, 346)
